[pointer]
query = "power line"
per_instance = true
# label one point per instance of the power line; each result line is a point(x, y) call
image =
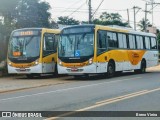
point(77, 9)
point(98, 8)
point(70, 6)
point(94, 9)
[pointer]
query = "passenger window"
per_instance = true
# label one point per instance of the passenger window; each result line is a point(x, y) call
point(122, 40)
point(112, 39)
point(139, 41)
point(101, 42)
point(153, 43)
point(147, 43)
point(132, 42)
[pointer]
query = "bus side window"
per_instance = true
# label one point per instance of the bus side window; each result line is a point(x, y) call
point(132, 42)
point(122, 40)
point(112, 39)
point(49, 44)
point(101, 42)
point(147, 42)
point(139, 41)
point(153, 43)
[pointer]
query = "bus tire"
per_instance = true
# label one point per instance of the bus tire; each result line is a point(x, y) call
point(142, 69)
point(56, 71)
point(110, 69)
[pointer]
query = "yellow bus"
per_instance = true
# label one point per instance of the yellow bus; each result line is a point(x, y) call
point(87, 49)
point(33, 51)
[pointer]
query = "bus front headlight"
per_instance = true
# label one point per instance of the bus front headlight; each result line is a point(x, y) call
point(36, 62)
point(90, 61)
point(59, 62)
point(9, 63)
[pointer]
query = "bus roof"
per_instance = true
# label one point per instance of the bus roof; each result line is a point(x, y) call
point(113, 28)
point(56, 30)
point(76, 26)
point(124, 29)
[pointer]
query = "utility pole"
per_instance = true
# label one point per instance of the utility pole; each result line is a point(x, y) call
point(135, 12)
point(128, 17)
point(152, 2)
point(145, 24)
point(90, 11)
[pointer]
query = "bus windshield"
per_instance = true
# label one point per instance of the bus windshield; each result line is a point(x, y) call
point(24, 46)
point(76, 45)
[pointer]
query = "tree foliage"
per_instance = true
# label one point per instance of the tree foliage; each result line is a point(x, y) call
point(32, 13)
point(7, 14)
point(110, 19)
point(16, 14)
point(67, 21)
point(142, 23)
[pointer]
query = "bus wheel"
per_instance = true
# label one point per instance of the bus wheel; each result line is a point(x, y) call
point(30, 76)
point(142, 69)
point(110, 69)
point(55, 74)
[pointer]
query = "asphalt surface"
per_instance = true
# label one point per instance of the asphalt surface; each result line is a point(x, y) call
point(127, 92)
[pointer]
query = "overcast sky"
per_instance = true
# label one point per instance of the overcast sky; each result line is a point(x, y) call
point(67, 8)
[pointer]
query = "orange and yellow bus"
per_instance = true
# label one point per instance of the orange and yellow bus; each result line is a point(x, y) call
point(87, 49)
point(33, 51)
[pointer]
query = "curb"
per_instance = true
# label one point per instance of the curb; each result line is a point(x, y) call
point(25, 88)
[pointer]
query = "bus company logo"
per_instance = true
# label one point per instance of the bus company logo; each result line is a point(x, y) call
point(6, 114)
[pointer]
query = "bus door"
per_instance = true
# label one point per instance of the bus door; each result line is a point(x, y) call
point(49, 53)
point(101, 51)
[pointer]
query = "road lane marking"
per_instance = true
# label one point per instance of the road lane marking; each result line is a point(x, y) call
point(63, 90)
point(120, 97)
point(105, 102)
point(102, 103)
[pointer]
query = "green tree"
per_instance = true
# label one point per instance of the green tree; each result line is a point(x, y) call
point(67, 21)
point(141, 24)
point(7, 13)
point(32, 13)
point(110, 19)
point(53, 24)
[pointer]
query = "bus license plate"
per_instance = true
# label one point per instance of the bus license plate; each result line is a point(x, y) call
point(74, 69)
point(22, 69)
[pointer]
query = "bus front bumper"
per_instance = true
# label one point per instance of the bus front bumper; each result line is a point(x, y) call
point(29, 70)
point(77, 70)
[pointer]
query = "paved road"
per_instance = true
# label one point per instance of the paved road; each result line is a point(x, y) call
point(128, 92)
